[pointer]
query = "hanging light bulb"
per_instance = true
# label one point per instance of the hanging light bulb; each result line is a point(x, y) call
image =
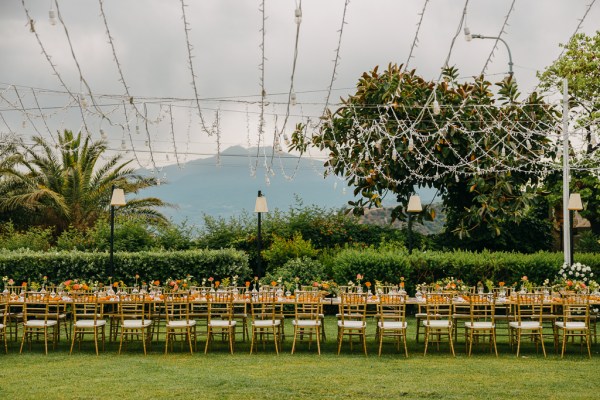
point(24, 124)
point(167, 157)
point(157, 181)
point(593, 140)
point(334, 185)
point(293, 101)
point(267, 180)
point(252, 172)
point(102, 134)
point(146, 143)
point(468, 36)
point(343, 190)
point(436, 107)
point(411, 144)
point(456, 178)
point(52, 15)
point(394, 154)
point(286, 139)
point(82, 101)
point(367, 158)
point(298, 16)
point(123, 146)
point(503, 151)
point(528, 144)
point(137, 129)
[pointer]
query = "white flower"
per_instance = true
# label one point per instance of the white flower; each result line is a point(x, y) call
point(591, 274)
point(585, 279)
point(560, 272)
point(565, 276)
point(577, 274)
point(579, 267)
point(570, 272)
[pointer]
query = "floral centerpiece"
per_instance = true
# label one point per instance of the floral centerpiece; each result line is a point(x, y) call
point(576, 277)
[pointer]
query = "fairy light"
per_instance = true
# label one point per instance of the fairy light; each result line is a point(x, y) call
point(52, 14)
point(436, 107)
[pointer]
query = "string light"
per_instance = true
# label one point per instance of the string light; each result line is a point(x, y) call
point(52, 14)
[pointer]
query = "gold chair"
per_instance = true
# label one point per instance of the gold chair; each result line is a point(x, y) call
point(352, 319)
point(14, 316)
point(438, 320)
point(391, 315)
point(528, 321)
point(240, 311)
point(308, 309)
point(88, 319)
point(3, 316)
point(481, 324)
point(135, 320)
point(178, 322)
point(220, 318)
point(575, 322)
point(266, 319)
point(38, 320)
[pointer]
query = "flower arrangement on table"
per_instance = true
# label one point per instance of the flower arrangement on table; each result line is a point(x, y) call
point(451, 283)
point(576, 277)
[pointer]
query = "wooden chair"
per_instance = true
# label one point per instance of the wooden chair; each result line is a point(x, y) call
point(135, 320)
point(14, 316)
point(438, 320)
point(220, 318)
point(391, 315)
point(178, 322)
point(574, 323)
point(528, 321)
point(3, 316)
point(352, 319)
point(88, 319)
point(481, 324)
point(266, 320)
point(38, 320)
point(308, 310)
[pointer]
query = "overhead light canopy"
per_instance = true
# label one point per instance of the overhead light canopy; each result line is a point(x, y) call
point(261, 204)
point(118, 197)
point(575, 203)
point(414, 204)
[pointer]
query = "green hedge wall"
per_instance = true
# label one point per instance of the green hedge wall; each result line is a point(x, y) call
point(390, 265)
point(60, 266)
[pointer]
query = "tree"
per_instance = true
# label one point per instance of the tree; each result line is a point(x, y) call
point(70, 187)
point(479, 149)
point(580, 65)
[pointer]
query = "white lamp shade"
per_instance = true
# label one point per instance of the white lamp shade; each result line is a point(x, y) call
point(118, 197)
point(261, 205)
point(575, 203)
point(414, 204)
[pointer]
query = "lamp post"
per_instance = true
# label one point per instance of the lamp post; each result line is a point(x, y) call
point(260, 207)
point(413, 207)
point(469, 37)
point(574, 205)
point(117, 199)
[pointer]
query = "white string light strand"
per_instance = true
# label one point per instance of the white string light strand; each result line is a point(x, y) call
point(416, 38)
point(263, 93)
point(502, 30)
point(336, 60)
point(173, 135)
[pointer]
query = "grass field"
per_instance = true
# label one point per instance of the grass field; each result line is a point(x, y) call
point(265, 375)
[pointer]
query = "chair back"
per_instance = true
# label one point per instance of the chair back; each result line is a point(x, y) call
point(308, 305)
point(576, 308)
point(177, 307)
point(529, 307)
point(438, 306)
point(482, 307)
point(134, 306)
point(353, 306)
point(264, 306)
point(220, 306)
point(86, 306)
point(3, 308)
point(392, 307)
point(37, 307)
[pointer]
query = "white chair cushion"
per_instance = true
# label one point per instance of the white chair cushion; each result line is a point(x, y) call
point(306, 323)
point(222, 323)
point(525, 325)
point(352, 324)
point(39, 323)
point(265, 323)
point(89, 323)
point(571, 325)
point(438, 323)
point(479, 325)
point(181, 324)
point(136, 323)
point(391, 325)
point(1, 326)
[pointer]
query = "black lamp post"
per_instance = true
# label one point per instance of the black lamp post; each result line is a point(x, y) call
point(574, 205)
point(260, 207)
point(413, 207)
point(117, 199)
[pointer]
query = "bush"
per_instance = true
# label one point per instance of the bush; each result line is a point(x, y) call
point(36, 238)
point(305, 269)
point(60, 266)
point(282, 250)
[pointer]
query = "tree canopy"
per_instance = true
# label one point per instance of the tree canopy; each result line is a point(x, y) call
point(69, 185)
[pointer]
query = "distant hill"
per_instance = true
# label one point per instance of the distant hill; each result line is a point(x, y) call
point(383, 217)
point(201, 187)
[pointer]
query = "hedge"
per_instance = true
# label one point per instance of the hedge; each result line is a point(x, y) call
point(390, 265)
point(60, 266)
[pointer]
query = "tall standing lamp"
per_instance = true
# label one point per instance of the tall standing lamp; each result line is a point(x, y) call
point(413, 207)
point(259, 208)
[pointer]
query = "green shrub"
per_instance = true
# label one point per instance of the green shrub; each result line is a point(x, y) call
point(59, 266)
point(282, 250)
point(36, 238)
point(305, 269)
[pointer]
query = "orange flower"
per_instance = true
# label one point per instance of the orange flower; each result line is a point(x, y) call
point(76, 286)
point(85, 287)
point(500, 284)
point(524, 278)
point(116, 284)
point(247, 283)
point(368, 284)
point(273, 283)
point(156, 282)
point(217, 283)
point(401, 284)
point(569, 283)
point(24, 284)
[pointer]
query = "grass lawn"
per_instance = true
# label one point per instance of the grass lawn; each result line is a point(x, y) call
point(265, 375)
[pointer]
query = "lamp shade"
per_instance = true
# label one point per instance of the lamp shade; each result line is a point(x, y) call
point(118, 197)
point(261, 204)
point(575, 202)
point(414, 204)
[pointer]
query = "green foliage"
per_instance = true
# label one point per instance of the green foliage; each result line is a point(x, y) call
point(303, 271)
point(149, 265)
point(282, 250)
point(587, 242)
point(36, 239)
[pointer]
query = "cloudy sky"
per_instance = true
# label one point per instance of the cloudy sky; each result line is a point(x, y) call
point(225, 36)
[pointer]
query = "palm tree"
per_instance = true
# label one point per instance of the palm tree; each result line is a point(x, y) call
point(70, 186)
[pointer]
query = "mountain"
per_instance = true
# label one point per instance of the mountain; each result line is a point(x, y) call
point(200, 186)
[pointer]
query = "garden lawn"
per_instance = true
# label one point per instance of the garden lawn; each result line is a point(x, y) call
point(265, 375)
